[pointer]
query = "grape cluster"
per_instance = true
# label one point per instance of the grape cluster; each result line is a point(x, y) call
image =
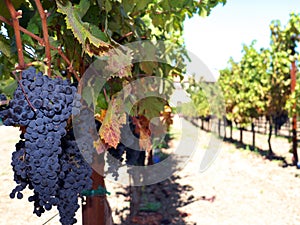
point(75, 177)
point(3, 97)
point(86, 132)
point(134, 157)
point(3, 104)
point(280, 119)
point(44, 159)
point(114, 160)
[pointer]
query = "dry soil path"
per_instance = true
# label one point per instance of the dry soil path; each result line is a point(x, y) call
point(247, 189)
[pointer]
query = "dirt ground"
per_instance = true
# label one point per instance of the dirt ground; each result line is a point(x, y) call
point(240, 187)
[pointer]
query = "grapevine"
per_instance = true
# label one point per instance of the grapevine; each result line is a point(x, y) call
point(260, 85)
point(46, 159)
point(62, 39)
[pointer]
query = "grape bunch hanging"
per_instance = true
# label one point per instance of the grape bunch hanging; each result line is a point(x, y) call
point(47, 159)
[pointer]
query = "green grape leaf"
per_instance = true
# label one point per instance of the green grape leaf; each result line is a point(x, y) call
point(82, 7)
point(4, 10)
point(148, 67)
point(8, 87)
point(88, 95)
point(84, 32)
point(101, 102)
point(149, 107)
point(5, 47)
point(34, 24)
point(158, 20)
point(108, 6)
point(142, 4)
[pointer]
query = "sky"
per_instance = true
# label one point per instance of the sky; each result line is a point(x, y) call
point(216, 38)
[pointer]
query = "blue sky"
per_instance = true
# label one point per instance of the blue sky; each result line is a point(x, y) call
point(216, 38)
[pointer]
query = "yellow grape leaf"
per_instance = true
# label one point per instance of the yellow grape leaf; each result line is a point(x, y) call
point(167, 115)
point(112, 123)
point(100, 117)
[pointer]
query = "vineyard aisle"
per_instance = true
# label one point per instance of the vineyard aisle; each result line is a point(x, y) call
point(246, 189)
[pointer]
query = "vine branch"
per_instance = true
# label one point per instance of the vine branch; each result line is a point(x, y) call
point(43, 16)
point(42, 43)
point(40, 40)
point(125, 36)
point(15, 23)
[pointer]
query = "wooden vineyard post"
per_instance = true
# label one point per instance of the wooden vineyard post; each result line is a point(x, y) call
point(219, 127)
point(294, 119)
point(231, 130)
point(241, 134)
point(93, 211)
point(253, 134)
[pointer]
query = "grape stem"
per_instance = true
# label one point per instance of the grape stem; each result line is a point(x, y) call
point(43, 15)
point(106, 96)
point(15, 23)
point(24, 92)
point(125, 36)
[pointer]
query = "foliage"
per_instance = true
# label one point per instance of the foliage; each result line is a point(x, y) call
point(62, 39)
point(113, 121)
point(245, 85)
point(200, 104)
point(259, 85)
point(81, 31)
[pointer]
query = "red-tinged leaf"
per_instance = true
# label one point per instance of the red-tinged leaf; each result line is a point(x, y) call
point(145, 140)
point(167, 115)
point(119, 63)
point(142, 128)
point(141, 123)
point(100, 146)
point(112, 123)
point(111, 134)
point(100, 117)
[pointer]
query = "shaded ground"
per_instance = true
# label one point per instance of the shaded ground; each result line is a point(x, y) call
point(240, 187)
